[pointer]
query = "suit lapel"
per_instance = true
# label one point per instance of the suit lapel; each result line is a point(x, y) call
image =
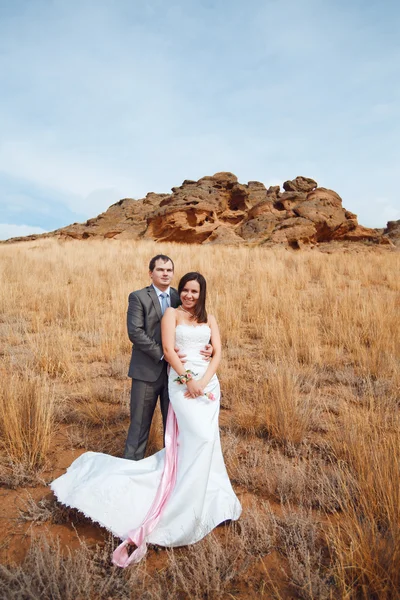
point(153, 295)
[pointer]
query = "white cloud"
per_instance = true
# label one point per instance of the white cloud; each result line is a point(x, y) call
point(9, 230)
point(52, 168)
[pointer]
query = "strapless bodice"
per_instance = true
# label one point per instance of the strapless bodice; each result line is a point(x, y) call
point(190, 339)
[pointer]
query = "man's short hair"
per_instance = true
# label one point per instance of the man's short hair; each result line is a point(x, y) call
point(163, 257)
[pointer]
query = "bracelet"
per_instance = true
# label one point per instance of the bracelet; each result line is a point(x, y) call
point(187, 376)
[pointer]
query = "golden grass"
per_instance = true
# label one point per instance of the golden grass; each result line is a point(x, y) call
point(366, 540)
point(26, 420)
point(276, 408)
point(310, 379)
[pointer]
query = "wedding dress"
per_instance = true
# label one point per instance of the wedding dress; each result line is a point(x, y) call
point(174, 497)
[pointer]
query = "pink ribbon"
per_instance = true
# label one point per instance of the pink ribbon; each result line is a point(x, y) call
point(137, 536)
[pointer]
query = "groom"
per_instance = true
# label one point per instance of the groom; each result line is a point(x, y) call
point(148, 368)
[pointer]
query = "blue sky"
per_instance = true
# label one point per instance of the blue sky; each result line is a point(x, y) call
point(106, 99)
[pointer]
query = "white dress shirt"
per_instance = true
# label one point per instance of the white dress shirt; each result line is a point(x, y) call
point(159, 292)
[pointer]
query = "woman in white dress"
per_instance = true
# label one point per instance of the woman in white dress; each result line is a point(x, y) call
point(186, 484)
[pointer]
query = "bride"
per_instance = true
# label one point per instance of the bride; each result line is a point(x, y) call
point(186, 484)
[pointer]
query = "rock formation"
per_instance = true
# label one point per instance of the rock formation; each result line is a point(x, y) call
point(392, 231)
point(219, 210)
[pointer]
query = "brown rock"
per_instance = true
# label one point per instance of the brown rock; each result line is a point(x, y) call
point(238, 197)
point(274, 190)
point(266, 206)
point(300, 184)
point(189, 224)
point(324, 208)
point(288, 200)
point(224, 235)
point(112, 234)
point(232, 217)
point(392, 232)
point(257, 185)
point(153, 199)
point(74, 235)
point(256, 193)
point(296, 232)
point(357, 233)
point(224, 177)
point(260, 227)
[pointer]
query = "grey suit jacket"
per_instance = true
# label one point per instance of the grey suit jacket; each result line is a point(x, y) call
point(144, 330)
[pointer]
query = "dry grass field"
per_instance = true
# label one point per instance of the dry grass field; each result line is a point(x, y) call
point(309, 420)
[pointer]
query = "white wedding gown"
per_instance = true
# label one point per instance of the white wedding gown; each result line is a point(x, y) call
point(117, 493)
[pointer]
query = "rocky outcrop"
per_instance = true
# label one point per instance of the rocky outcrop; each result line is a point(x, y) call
point(218, 209)
point(392, 232)
point(300, 184)
point(303, 214)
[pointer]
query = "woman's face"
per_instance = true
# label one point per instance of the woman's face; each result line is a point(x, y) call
point(190, 294)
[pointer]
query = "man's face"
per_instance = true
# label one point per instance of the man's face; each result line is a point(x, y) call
point(162, 274)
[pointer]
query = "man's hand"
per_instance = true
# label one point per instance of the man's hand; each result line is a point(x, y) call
point(181, 355)
point(207, 352)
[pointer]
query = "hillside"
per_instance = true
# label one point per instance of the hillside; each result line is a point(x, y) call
point(219, 210)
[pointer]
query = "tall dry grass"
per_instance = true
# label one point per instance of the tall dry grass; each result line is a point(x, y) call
point(310, 379)
point(26, 419)
point(277, 407)
point(366, 540)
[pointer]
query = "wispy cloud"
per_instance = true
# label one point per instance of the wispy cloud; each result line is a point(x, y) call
point(8, 230)
point(106, 100)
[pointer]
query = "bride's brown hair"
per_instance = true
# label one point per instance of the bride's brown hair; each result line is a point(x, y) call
point(200, 313)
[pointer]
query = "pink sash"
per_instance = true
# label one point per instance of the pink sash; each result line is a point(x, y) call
point(137, 536)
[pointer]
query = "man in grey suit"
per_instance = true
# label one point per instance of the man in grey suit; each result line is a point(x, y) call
point(148, 368)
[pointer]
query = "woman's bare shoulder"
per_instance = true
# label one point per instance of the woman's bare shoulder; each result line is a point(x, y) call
point(169, 315)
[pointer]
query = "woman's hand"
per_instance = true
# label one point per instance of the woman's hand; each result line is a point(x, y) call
point(194, 389)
